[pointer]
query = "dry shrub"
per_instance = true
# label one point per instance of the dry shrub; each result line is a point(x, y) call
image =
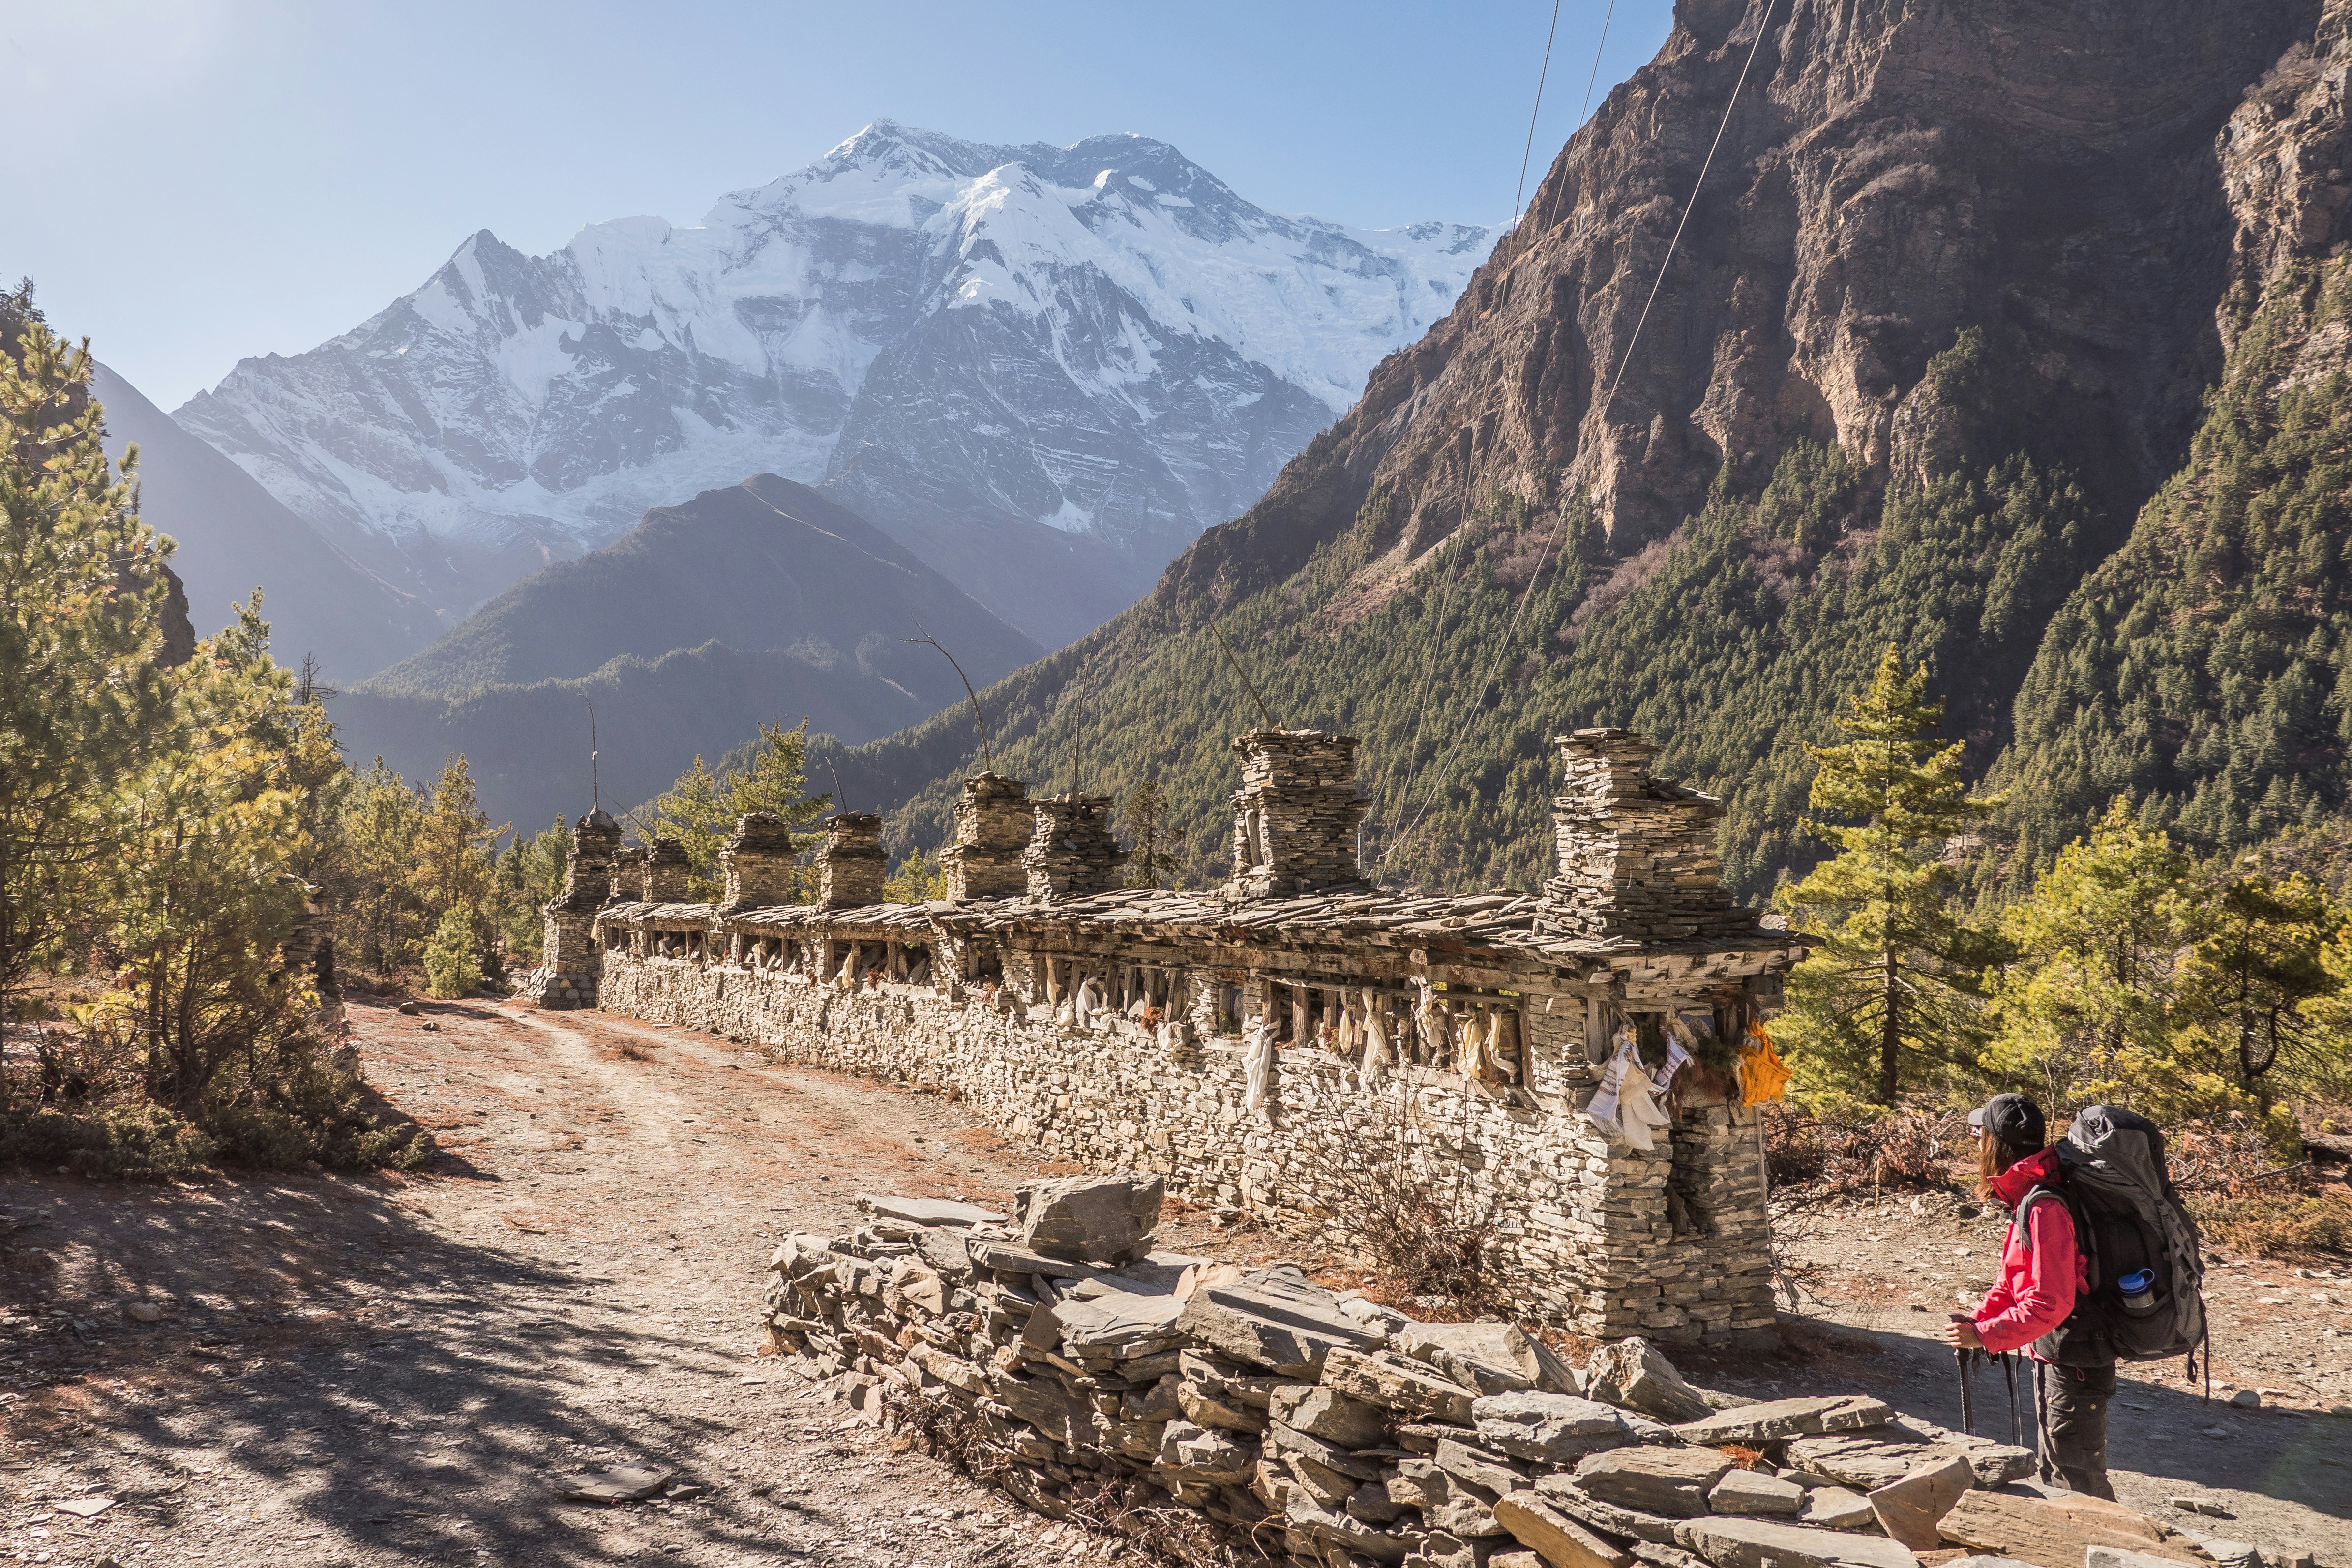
point(2289, 1225)
point(630, 1050)
point(1849, 1148)
point(1403, 1189)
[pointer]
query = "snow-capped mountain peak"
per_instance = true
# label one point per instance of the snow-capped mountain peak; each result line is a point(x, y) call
point(1102, 337)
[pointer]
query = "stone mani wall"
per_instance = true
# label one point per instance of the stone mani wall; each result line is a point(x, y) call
point(1121, 1028)
point(1594, 1233)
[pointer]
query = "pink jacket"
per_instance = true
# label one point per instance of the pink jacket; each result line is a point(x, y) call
point(2042, 1270)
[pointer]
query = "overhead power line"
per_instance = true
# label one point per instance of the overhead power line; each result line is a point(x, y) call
point(1608, 400)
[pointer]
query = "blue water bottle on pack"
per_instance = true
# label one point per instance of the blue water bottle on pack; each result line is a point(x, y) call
point(2138, 1289)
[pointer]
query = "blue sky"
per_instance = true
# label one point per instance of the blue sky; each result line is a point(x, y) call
point(209, 179)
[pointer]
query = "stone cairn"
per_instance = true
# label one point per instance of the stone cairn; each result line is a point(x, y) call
point(1072, 853)
point(993, 825)
point(569, 962)
point(851, 866)
point(1637, 855)
point(758, 860)
point(666, 869)
point(1296, 814)
point(1073, 1358)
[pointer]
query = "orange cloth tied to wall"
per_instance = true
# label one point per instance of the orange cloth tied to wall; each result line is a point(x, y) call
point(1762, 1074)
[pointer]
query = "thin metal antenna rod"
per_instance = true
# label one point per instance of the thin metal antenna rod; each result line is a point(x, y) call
point(839, 803)
point(987, 752)
point(1248, 684)
point(1077, 749)
point(595, 789)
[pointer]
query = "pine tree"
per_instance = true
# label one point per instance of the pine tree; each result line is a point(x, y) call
point(196, 899)
point(918, 879)
point(375, 895)
point(2089, 1004)
point(698, 811)
point(450, 966)
point(1151, 859)
point(1897, 976)
point(2257, 972)
point(453, 843)
point(82, 589)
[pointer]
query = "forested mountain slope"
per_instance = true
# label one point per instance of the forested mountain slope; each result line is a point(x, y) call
point(763, 601)
point(1942, 321)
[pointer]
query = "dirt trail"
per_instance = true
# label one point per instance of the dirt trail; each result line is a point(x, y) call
point(399, 1370)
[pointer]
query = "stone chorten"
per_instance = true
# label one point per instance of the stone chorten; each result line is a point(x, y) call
point(851, 866)
point(628, 874)
point(1637, 855)
point(758, 860)
point(1296, 814)
point(993, 825)
point(569, 963)
point(667, 871)
point(1072, 853)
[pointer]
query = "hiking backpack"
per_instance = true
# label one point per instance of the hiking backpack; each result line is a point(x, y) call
point(2127, 1217)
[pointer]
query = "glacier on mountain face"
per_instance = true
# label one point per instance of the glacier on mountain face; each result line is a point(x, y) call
point(1102, 338)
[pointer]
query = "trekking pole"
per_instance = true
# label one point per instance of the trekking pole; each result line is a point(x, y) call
point(2009, 1371)
point(1964, 1356)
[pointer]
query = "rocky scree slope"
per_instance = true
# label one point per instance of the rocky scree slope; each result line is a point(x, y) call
point(763, 601)
point(1940, 323)
point(1044, 369)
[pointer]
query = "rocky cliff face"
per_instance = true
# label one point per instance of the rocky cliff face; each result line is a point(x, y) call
point(1076, 357)
point(1940, 324)
point(1896, 171)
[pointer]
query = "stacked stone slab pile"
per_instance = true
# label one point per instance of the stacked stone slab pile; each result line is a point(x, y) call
point(757, 862)
point(1296, 814)
point(1637, 855)
point(668, 870)
point(1071, 852)
point(851, 866)
point(993, 825)
point(1324, 1429)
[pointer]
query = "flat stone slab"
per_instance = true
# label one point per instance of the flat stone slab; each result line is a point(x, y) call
point(2056, 1532)
point(1869, 1460)
point(1559, 1539)
point(1659, 1480)
point(1277, 1320)
point(1838, 1507)
point(1491, 1357)
point(1571, 1499)
point(1017, 1260)
point(1556, 1428)
point(622, 1483)
point(1749, 1493)
point(1120, 1323)
point(1636, 1373)
point(1753, 1542)
point(1781, 1418)
point(926, 1211)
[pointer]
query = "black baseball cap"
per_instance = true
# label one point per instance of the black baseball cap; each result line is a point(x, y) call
point(2013, 1118)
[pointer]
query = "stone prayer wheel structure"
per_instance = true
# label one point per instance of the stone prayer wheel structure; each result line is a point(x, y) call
point(1257, 1044)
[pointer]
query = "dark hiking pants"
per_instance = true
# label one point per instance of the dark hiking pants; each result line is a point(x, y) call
point(2073, 1402)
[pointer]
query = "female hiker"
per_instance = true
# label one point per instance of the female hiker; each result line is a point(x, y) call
point(2040, 1273)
